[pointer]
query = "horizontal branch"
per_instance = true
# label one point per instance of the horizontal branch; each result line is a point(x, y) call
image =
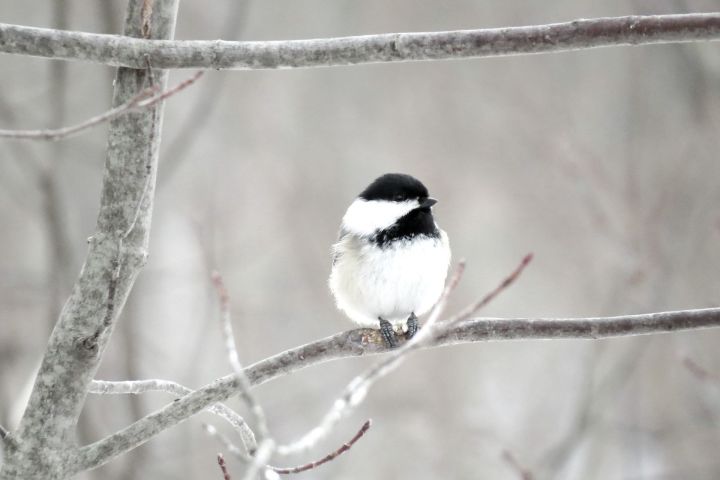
point(359, 342)
point(117, 50)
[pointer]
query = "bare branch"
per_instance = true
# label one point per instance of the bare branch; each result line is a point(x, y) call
point(234, 358)
point(232, 448)
point(364, 341)
point(46, 433)
point(260, 459)
point(227, 443)
point(3, 433)
point(145, 99)
point(102, 387)
point(509, 280)
point(223, 467)
point(356, 391)
point(390, 47)
point(329, 457)
point(701, 373)
point(523, 473)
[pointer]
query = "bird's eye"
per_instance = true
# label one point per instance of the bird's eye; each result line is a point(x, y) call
point(399, 198)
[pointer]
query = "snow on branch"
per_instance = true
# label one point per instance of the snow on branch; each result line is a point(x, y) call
point(115, 50)
point(359, 342)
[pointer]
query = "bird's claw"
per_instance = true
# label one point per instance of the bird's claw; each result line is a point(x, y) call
point(412, 326)
point(388, 333)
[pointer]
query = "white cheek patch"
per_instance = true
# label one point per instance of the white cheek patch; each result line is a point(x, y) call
point(365, 217)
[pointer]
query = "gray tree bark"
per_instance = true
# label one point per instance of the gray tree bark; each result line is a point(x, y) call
point(390, 47)
point(44, 445)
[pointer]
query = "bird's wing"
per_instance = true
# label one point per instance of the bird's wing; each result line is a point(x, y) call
point(337, 248)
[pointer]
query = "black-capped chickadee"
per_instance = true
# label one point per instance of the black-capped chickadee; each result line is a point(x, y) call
point(391, 259)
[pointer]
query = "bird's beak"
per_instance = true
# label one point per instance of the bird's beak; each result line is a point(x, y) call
point(428, 202)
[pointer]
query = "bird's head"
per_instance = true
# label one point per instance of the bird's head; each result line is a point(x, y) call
point(385, 202)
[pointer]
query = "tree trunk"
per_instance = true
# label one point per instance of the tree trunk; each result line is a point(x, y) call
point(44, 446)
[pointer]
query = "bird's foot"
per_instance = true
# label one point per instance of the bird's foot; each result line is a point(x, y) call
point(412, 326)
point(388, 333)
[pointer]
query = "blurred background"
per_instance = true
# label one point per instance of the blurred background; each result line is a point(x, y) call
point(604, 163)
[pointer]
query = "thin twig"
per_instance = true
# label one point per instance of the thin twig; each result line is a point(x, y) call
point(232, 448)
point(227, 443)
point(366, 341)
point(245, 386)
point(3, 433)
point(329, 457)
point(474, 308)
point(701, 373)
point(115, 50)
point(223, 467)
point(260, 459)
point(510, 459)
point(102, 387)
point(144, 99)
point(356, 391)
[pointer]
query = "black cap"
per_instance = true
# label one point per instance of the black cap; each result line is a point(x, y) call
point(396, 187)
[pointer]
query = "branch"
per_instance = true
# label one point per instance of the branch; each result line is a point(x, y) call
point(234, 359)
point(363, 341)
point(356, 391)
point(46, 433)
point(145, 99)
point(227, 443)
point(3, 433)
point(223, 467)
point(523, 473)
point(700, 372)
point(259, 460)
point(390, 47)
point(329, 457)
point(101, 387)
point(212, 431)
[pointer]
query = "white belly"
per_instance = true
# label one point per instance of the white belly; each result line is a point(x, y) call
point(392, 282)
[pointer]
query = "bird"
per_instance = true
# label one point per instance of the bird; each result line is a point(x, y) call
point(391, 259)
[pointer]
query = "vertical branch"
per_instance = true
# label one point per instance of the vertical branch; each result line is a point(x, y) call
point(234, 358)
point(60, 246)
point(223, 467)
point(45, 439)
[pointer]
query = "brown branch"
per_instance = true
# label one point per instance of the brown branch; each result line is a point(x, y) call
point(489, 297)
point(700, 372)
point(389, 47)
point(329, 457)
point(144, 99)
point(522, 472)
point(223, 467)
